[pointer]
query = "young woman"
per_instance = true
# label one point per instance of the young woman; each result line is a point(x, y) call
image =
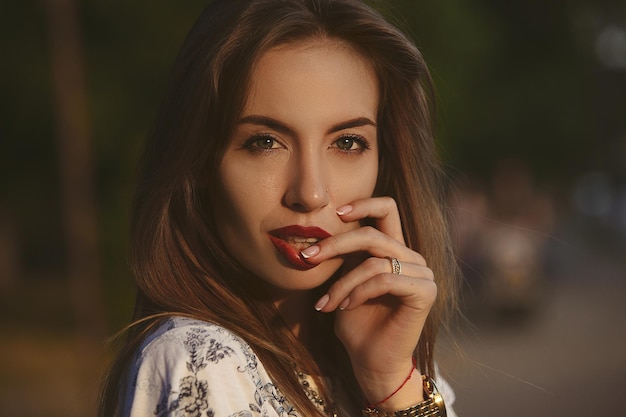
point(288, 241)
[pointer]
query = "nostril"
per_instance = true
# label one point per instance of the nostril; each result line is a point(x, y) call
point(299, 207)
point(307, 189)
point(305, 203)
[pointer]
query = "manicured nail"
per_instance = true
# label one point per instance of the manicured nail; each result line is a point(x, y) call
point(344, 210)
point(321, 303)
point(344, 304)
point(310, 251)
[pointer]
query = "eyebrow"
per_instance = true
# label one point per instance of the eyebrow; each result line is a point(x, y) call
point(283, 128)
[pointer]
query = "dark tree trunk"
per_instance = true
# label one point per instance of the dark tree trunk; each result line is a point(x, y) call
point(76, 163)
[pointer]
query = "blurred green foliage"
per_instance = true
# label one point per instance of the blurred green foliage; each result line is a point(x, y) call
point(516, 78)
point(509, 76)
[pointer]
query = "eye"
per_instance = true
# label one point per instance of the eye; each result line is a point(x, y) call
point(261, 142)
point(351, 143)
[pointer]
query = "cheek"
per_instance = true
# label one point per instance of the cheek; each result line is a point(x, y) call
point(244, 195)
point(357, 182)
point(372, 179)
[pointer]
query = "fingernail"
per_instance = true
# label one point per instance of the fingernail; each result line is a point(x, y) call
point(321, 303)
point(310, 251)
point(344, 304)
point(344, 210)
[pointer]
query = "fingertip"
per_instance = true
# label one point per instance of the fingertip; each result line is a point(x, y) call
point(321, 303)
point(310, 251)
point(343, 210)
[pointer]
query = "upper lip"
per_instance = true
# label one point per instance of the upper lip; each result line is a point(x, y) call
point(300, 231)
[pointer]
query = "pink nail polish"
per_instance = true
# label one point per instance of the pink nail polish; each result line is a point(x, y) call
point(344, 304)
point(344, 210)
point(321, 303)
point(310, 251)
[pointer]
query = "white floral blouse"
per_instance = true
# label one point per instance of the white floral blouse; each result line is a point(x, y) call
point(191, 368)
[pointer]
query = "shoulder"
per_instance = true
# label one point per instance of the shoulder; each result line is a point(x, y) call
point(182, 346)
point(200, 341)
point(187, 364)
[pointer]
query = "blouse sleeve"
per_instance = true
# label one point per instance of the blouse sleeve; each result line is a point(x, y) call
point(447, 393)
point(189, 368)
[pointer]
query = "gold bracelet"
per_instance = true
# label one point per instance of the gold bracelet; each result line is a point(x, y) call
point(433, 406)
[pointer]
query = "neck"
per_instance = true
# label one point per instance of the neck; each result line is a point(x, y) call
point(296, 309)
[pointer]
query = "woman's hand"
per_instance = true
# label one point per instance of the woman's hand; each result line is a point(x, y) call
point(381, 314)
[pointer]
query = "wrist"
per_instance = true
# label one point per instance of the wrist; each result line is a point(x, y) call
point(410, 394)
point(393, 391)
point(431, 405)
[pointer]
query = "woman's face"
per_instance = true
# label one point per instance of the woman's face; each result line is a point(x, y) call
point(305, 145)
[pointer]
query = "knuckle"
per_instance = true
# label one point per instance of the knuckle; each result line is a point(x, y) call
point(359, 293)
point(368, 231)
point(427, 296)
point(420, 260)
point(339, 286)
point(431, 294)
point(370, 234)
point(386, 279)
point(372, 265)
point(390, 203)
point(429, 274)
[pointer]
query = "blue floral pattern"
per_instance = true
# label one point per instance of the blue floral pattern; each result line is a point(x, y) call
point(190, 368)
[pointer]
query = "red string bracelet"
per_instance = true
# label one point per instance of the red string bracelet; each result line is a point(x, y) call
point(397, 389)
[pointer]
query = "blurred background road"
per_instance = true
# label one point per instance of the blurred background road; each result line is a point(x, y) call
point(565, 358)
point(532, 109)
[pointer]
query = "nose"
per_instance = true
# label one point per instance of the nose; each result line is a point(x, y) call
point(307, 188)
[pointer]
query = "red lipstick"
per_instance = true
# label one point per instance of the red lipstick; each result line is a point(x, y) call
point(290, 240)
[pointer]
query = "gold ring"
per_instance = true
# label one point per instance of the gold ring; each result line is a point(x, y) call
point(396, 267)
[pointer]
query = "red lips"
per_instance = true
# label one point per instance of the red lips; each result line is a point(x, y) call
point(288, 239)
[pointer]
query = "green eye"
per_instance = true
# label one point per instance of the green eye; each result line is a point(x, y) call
point(351, 143)
point(345, 143)
point(262, 142)
point(265, 142)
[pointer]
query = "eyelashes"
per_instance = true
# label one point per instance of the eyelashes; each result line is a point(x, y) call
point(346, 144)
point(261, 142)
point(352, 143)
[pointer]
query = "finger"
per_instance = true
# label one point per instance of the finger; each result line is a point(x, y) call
point(416, 293)
point(383, 210)
point(364, 239)
point(340, 290)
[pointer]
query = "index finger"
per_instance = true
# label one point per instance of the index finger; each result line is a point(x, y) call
point(364, 239)
point(383, 210)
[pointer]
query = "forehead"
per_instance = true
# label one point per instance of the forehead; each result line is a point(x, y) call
point(318, 71)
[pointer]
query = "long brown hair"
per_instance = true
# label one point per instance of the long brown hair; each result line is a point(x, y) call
point(180, 265)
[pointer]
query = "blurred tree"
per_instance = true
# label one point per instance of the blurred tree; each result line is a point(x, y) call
point(76, 164)
point(512, 82)
point(131, 47)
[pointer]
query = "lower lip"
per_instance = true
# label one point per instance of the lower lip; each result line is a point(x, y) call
point(290, 254)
